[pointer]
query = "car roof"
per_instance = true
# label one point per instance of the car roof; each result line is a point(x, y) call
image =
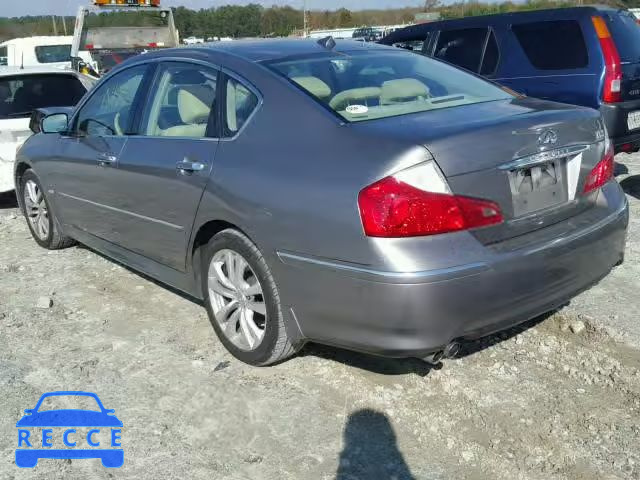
point(270, 49)
point(14, 71)
point(499, 18)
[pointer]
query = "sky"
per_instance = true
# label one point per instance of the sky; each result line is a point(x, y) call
point(11, 8)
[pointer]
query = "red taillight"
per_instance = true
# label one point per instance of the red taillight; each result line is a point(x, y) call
point(392, 208)
point(613, 72)
point(601, 173)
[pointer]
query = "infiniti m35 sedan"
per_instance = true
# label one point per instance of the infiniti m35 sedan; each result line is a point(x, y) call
point(344, 193)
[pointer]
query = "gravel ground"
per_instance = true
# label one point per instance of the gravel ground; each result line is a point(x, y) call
point(558, 398)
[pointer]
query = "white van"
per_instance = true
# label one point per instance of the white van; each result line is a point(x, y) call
point(39, 51)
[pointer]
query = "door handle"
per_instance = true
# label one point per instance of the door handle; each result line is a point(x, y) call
point(187, 166)
point(106, 159)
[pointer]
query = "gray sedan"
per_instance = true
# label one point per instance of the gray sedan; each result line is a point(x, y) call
point(353, 194)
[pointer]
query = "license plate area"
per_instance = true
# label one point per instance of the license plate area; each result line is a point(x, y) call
point(633, 120)
point(538, 187)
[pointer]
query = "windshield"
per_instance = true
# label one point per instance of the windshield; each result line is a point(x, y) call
point(366, 86)
point(20, 95)
point(53, 53)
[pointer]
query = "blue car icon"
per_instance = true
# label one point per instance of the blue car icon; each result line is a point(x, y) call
point(70, 418)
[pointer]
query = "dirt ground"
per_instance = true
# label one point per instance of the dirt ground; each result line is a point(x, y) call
point(558, 398)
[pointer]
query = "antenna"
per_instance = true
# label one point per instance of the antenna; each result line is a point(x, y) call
point(327, 42)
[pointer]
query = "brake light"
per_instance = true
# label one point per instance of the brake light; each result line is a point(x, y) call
point(399, 206)
point(602, 172)
point(613, 72)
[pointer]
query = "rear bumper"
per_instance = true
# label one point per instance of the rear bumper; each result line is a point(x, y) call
point(414, 314)
point(615, 118)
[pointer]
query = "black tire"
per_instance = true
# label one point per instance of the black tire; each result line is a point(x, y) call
point(275, 346)
point(55, 240)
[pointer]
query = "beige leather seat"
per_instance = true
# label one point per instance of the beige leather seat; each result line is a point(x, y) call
point(354, 96)
point(402, 91)
point(194, 106)
point(315, 86)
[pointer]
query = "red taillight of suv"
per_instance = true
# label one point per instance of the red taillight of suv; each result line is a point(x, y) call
point(613, 72)
point(393, 208)
point(602, 172)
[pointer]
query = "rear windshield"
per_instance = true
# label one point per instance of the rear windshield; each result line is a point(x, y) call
point(20, 95)
point(53, 53)
point(366, 86)
point(626, 35)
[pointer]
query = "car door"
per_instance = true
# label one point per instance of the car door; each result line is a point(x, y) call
point(162, 170)
point(83, 175)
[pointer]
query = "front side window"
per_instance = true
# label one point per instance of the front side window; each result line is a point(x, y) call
point(22, 94)
point(53, 53)
point(183, 101)
point(462, 47)
point(366, 86)
point(241, 102)
point(553, 45)
point(110, 109)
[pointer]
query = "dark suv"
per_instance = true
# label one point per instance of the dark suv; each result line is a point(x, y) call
point(586, 56)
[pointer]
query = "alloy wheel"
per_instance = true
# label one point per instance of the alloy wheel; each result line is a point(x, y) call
point(237, 299)
point(36, 209)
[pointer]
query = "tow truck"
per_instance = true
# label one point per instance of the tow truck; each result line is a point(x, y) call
point(114, 30)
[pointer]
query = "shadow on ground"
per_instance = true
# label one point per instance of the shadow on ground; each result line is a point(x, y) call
point(8, 200)
point(631, 185)
point(370, 450)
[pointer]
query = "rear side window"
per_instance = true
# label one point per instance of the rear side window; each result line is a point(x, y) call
point(241, 102)
point(462, 47)
point(626, 35)
point(53, 53)
point(4, 61)
point(553, 45)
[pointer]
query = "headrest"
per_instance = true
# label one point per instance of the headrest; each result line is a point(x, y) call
point(349, 97)
point(403, 90)
point(195, 103)
point(314, 85)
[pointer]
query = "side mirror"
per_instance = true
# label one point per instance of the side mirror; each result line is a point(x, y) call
point(55, 123)
point(29, 411)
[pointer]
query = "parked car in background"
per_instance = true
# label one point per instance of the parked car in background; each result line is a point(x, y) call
point(587, 56)
point(367, 34)
point(39, 51)
point(22, 90)
point(345, 193)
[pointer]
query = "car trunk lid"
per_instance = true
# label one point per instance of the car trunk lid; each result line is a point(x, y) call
point(530, 157)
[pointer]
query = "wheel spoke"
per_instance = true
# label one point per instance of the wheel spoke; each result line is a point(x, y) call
point(215, 285)
point(222, 278)
point(32, 192)
point(43, 225)
point(226, 313)
point(252, 290)
point(257, 307)
point(231, 326)
point(250, 331)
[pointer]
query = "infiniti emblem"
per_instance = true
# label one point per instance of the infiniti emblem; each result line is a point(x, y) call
point(548, 137)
